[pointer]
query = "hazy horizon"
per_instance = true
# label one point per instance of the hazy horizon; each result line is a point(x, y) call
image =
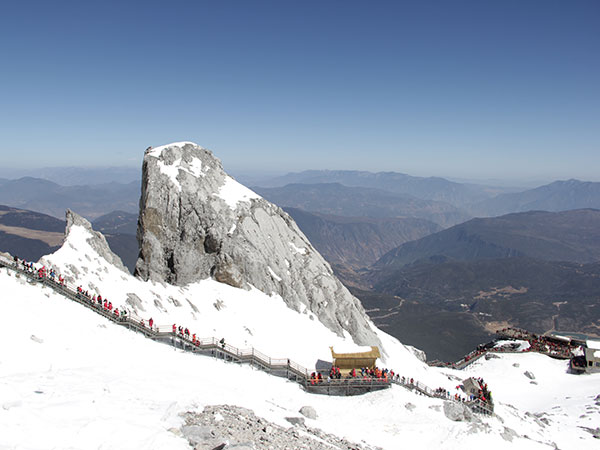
point(133, 173)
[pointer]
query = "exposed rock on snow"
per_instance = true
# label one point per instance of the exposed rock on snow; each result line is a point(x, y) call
point(420, 354)
point(309, 412)
point(458, 412)
point(529, 375)
point(197, 222)
point(508, 434)
point(239, 428)
point(8, 405)
point(34, 338)
point(296, 420)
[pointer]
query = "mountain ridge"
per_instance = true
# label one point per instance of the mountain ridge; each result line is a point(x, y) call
point(561, 236)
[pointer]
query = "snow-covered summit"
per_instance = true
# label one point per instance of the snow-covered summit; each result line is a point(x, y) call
point(196, 222)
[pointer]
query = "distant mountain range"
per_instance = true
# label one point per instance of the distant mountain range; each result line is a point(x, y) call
point(557, 196)
point(431, 188)
point(50, 198)
point(474, 200)
point(339, 200)
point(77, 176)
point(345, 193)
point(563, 236)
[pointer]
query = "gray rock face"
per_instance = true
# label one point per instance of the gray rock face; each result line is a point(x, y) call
point(97, 241)
point(197, 222)
point(457, 412)
point(233, 427)
point(420, 354)
point(309, 412)
point(529, 375)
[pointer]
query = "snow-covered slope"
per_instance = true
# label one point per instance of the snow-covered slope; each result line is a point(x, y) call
point(245, 318)
point(71, 379)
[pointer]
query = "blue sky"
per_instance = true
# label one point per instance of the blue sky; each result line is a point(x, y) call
point(475, 89)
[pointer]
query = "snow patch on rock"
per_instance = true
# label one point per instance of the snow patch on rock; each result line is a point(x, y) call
point(233, 192)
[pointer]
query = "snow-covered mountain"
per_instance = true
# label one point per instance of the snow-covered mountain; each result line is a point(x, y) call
point(70, 379)
point(197, 222)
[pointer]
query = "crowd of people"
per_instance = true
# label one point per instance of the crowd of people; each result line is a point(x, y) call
point(483, 394)
point(542, 344)
point(98, 302)
point(364, 373)
point(51, 274)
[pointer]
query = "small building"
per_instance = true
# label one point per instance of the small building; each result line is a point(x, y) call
point(349, 361)
point(589, 361)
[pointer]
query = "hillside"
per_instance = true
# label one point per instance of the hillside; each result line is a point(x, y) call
point(117, 222)
point(29, 234)
point(357, 242)
point(556, 196)
point(457, 302)
point(563, 236)
point(336, 199)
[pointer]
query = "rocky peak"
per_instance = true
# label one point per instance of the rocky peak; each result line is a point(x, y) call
point(96, 240)
point(196, 222)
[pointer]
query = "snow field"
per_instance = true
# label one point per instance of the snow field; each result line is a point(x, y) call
point(565, 400)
